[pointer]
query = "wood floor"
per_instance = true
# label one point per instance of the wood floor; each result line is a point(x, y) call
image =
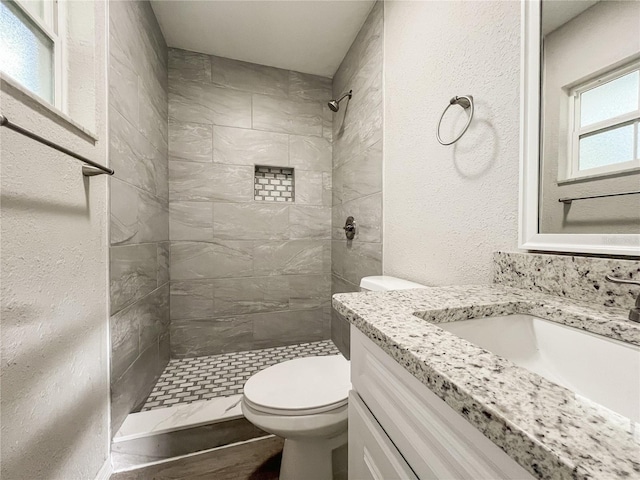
point(257, 460)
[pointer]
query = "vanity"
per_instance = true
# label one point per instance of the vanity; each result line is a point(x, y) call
point(428, 403)
point(536, 375)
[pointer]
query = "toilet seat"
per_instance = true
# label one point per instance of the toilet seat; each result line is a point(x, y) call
point(304, 386)
point(299, 412)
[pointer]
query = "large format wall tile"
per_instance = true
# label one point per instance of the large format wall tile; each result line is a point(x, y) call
point(191, 221)
point(133, 158)
point(310, 153)
point(362, 175)
point(250, 221)
point(287, 328)
point(136, 215)
point(307, 221)
point(193, 181)
point(130, 390)
point(239, 296)
point(228, 258)
point(304, 86)
point(240, 265)
point(206, 103)
point(362, 260)
point(291, 257)
point(186, 66)
point(133, 273)
point(139, 210)
point(357, 165)
point(240, 146)
point(152, 111)
point(192, 142)
point(192, 338)
point(368, 214)
point(309, 291)
point(123, 89)
point(153, 316)
point(192, 299)
point(163, 249)
point(287, 116)
point(124, 330)
point(249, 77)
point(312, 187)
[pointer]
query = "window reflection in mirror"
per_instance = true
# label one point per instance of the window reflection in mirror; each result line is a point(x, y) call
point(590, 104)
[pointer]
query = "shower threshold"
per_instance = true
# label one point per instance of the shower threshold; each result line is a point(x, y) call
point(195, 405)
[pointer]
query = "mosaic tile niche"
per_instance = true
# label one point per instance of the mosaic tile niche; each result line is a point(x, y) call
point(274, 184)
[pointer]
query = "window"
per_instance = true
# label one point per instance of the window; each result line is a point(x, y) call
point(604, 116)
point(31, 46)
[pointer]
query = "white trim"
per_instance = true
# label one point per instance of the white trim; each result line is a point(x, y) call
point(592, 176)
point(529, 237)
point(6, 82)
point(52, 26)
point(576, 132)
point(105, 471)
point(59, 13)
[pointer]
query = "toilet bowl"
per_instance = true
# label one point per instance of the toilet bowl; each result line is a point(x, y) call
point(305, 402)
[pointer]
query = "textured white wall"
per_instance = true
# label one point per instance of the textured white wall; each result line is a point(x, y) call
point(54, 390)
point(446, 209)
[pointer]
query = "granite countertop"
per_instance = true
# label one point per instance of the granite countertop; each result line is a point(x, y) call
point(546, 428)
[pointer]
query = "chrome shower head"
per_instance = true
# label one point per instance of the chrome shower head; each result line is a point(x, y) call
point(334, 105)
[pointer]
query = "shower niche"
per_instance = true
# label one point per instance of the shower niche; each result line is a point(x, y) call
point(274, 184)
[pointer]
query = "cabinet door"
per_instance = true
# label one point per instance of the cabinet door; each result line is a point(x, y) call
point(372, 456)
point(436, 441)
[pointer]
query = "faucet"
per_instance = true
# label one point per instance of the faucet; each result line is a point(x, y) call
point(634, 313)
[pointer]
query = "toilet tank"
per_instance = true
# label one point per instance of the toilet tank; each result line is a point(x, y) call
point(383, 283)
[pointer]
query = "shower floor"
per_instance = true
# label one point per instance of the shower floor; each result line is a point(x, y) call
point(188, 380)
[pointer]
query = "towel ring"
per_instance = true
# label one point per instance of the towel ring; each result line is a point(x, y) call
point(465, 101)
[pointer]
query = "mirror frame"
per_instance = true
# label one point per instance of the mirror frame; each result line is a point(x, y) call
point(529, 237)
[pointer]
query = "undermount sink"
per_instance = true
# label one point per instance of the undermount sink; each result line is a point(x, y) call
point(600, 369)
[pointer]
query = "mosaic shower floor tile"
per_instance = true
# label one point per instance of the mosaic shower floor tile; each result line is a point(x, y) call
point(188, 380)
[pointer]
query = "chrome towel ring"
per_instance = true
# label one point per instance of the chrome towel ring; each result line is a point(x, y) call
point(465, 101)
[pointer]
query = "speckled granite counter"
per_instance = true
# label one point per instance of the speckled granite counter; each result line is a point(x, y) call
point(548, 429)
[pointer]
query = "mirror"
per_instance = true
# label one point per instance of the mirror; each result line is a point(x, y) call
point(581, 127)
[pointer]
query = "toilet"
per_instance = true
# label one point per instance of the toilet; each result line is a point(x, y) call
point(305, 402)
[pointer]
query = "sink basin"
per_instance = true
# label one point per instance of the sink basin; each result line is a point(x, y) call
point(603, 370)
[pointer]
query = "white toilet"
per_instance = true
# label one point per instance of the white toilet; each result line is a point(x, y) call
point(305, 402)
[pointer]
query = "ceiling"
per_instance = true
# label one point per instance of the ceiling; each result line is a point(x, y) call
point(557, 13)
point(309, 36)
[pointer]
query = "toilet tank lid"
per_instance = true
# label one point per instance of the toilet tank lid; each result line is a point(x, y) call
point(382, 283)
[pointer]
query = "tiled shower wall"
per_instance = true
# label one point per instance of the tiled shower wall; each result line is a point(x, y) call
point(139, 253)
point(246, 274)
point(357, 166)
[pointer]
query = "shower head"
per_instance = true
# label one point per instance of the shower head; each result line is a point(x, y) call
point(334, 105)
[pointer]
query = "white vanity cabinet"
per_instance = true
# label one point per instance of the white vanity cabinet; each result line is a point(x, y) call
point(398, 428)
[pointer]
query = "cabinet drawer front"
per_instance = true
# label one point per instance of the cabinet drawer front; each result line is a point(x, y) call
point(434, 439)
point(372, 456)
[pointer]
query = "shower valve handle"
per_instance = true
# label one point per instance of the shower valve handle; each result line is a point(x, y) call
point(350, 228)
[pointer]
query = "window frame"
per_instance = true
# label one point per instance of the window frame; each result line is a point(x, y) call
point(576, 132)
point(52, 25)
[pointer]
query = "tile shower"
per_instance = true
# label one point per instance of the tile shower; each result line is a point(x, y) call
point(247, 273)
point(225, 259)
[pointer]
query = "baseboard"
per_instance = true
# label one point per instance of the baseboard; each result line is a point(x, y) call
point(105, 471)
